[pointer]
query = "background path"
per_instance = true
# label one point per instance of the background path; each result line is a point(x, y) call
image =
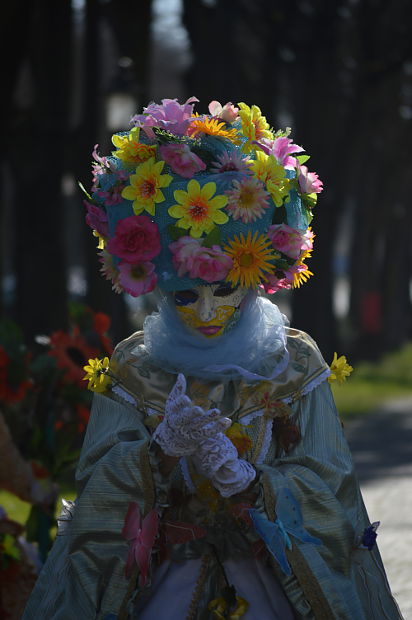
point(381, 444)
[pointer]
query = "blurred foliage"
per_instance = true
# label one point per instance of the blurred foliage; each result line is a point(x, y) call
point(46, 405)
point(373, 384)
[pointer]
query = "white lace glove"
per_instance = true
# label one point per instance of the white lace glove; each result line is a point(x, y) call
point(217, 459)
point(186, 425)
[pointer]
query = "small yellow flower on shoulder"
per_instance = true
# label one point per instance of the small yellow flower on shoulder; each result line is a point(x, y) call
point(97, 374)
point(340, 369)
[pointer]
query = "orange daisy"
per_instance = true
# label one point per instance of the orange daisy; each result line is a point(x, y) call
point(213, 127)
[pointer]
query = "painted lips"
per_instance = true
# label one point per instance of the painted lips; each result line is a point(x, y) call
point(210, 330)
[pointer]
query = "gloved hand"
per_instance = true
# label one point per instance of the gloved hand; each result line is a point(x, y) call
point(217, 459)
point(185, 425)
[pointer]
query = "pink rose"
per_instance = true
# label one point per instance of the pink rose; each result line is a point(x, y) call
point(288, 240)
point(209, 264)
point(137, 279)
point(96, 218)
point(183, 253)
point(137, 239)
point(275, 284)
point(181, 159)
point(309, 182)
point(228, 113)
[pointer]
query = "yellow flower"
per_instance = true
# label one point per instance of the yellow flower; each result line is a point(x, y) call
point(144, 189)
point(239, 437)
point(272, 174)
point(301, 276)
point(130, 150)
point(213, 127)
point(197, 210)
point(251, 256)
point(101, 240)
point(340, 369)
point(97, 374)
point(218, 607)
point(254, 125)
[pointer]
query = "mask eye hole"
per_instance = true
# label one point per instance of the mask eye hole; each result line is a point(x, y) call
point(224, 290)
point(184, 298)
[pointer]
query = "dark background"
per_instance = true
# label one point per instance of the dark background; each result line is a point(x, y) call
point(338, 72)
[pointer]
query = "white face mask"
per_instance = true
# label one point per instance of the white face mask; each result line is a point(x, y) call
point(210, 310)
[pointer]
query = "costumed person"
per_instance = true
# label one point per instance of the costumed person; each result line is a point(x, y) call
point(214, 480)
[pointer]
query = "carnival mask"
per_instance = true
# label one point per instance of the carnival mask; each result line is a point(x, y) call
point(210, 310)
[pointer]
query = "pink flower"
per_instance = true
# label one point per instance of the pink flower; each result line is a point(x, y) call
point(101, 165)
point(170, 115)
point(113, 196)
point(136, 239)
point(309, 182)
point(181, 159)
point(183, 253)
point(141, 535)
point(281, 148)
point(231, 162)
point(137, 279)
point(209, 264)
point(228, 113)
point(287, 240)
point(96, 218)
point(248, 199)
point(274, 284)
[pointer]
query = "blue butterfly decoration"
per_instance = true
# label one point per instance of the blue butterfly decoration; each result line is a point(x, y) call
point(276, 534)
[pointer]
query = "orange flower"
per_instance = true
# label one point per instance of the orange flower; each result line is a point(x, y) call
point(213, 127)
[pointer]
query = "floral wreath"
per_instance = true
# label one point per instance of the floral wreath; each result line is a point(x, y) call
point(188, 199)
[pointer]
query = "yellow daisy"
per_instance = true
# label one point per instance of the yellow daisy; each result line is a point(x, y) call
point(254, 125)
point(302, 273)
point(144, 189)
point(130, 150)
point(197, 211)
point(301, 276)
point(340, 369)
point(97, 374)
point(213, 127)
point(269, 171)
point(251, 259)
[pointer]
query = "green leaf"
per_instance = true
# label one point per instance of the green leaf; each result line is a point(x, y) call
point(213, 238)
point(310, 200)
point(84, 190)
point(175, 232)
point(302, 159)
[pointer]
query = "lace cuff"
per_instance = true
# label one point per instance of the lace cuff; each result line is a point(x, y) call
point(234, 477)
point(217, 459)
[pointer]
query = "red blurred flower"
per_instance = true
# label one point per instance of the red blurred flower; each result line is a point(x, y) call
point(9, 393)
point(71, 352)
point(83, 415)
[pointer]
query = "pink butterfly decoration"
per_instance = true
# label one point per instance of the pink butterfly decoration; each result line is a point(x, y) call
point(141, 534)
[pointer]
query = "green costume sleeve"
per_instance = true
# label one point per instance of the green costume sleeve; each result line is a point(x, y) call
point(337, 578)
point(84, 576)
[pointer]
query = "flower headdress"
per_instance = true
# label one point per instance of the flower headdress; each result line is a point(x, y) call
point(188, 199)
